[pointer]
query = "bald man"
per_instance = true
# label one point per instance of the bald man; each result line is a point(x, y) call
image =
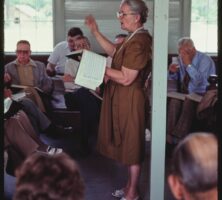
point(193, 174)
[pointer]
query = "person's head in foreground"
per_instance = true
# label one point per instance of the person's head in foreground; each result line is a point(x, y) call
point(49, 177)
point(194, 173)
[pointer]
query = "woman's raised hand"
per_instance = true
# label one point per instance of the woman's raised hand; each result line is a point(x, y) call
point(90, 22)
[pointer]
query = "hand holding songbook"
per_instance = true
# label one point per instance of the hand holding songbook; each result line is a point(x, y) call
point(91, 69)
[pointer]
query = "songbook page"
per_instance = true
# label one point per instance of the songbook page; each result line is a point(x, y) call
point(194, 97)
point(176, 95)
point(7, 104)
point(181, 96)
point(18, 96)
point(25, 87)
point(91, 70)
point(75, 55)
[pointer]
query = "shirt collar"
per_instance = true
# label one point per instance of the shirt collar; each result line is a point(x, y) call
point(31, 63)
point(195, 58)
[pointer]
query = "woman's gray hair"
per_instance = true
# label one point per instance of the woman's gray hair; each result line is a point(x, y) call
point(138, 6)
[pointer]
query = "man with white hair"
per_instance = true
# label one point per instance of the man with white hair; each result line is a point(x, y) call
point(191, 71)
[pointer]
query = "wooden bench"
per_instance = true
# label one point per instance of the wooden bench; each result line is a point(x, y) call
point(72, 118)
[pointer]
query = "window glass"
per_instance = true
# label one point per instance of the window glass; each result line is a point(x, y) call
point(29, 20)
point(204, 25)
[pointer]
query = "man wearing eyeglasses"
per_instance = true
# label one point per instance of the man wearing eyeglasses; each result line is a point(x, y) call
point(24, 71)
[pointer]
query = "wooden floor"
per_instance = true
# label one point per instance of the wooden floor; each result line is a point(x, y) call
point(101, 175)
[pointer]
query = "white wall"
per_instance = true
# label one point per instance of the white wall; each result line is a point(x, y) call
point(73, 13)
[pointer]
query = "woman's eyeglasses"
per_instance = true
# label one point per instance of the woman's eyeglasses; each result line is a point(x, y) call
point(122, 14)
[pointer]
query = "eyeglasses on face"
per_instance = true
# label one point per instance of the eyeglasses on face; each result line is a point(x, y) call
point(122, 14)
point(22, 51)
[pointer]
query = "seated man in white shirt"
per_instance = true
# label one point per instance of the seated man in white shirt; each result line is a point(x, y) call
point(72, 65)
point(56, 64)
point(57, 59)
point(79, 98)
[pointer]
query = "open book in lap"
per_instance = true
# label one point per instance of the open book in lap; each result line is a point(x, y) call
point(182, 96)
point(194, 97)
point(18, 96)
point(33, 93)
point(11, 107)
point(19, 87)
point(91, 68)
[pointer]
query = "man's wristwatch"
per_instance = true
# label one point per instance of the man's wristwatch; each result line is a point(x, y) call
point(189, 65)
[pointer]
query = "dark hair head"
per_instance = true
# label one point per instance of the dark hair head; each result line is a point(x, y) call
point(74, 31)
point(195, 162)
point(138, 6)
point(49, 177)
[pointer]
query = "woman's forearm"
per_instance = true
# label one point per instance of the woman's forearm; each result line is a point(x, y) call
point(124, 76)
point(107, 45)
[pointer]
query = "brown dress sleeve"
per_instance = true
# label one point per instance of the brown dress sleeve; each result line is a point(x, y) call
point(137, 52)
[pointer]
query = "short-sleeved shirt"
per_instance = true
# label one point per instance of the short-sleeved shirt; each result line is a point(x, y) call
point(122, 120)
point(58, 56)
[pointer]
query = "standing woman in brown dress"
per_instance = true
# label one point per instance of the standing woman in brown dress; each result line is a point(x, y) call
point(122, 120)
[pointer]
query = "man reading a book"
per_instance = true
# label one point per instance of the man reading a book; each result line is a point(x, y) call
point(57, 59)
point(80, 98)
point(28, 74)
point(72, 65)
point(191, 71)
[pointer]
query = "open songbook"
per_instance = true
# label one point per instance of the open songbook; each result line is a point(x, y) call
point(17, 88)
point(75, 55)
point(9, 100)
point(181, 96)
point(91, 68)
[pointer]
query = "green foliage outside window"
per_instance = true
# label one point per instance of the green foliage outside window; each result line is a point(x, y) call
point(204, 11)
